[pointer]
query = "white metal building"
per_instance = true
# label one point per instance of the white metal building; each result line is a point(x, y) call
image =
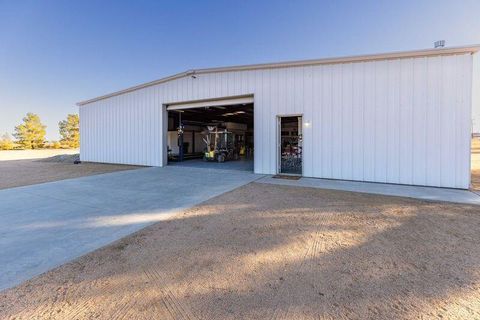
point(402, 117)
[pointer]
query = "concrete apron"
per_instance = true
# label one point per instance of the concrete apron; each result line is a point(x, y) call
point(422, 193)
point(45, 225)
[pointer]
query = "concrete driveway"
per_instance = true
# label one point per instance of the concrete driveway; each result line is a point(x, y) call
point(46, 225)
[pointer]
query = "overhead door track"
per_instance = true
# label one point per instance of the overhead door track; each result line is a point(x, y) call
point(210, 103)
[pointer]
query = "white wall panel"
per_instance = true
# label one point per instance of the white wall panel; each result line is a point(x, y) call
point(398, 121)
point(358, 126)
point(369, 123)
point(326, 124)
point(476, 93)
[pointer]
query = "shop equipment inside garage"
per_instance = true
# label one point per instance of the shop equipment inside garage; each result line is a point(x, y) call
point(216, 134)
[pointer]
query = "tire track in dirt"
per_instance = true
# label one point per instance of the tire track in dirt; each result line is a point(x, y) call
point(86, 306)
point(89, 307)
point(307, 263)
point(175, 308)
point(120, 308)
point(46, 310)
point(81, 309)
point(120, 312)
point(127, 304)
point(59, 298)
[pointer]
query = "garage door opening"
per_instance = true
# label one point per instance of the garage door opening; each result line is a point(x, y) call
point(475, 163)
point(211, 136)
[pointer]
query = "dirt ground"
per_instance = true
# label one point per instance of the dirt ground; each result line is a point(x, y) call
point(275, 252)
point(16, 173)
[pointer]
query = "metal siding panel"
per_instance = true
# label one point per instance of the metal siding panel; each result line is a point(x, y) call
point(369, 123)
point(148, 137)
point(393, 114)
point(290, 92)
point(157, 143)
point(141, 128)
point(224, 84)
point(463, 118)
point(283, 89)
point(447, 155)
point(406, 140)
point(358, 121)
point(123, 116)
point(419, 121)
point(297, 91)
point(132, 101)
point(258, 120)
point(380, 125)
point(337, 122)
point(111, 131)
point(91, 132)
point(105, 115)
point(102, 116)
point(265, 120)
point(347, 121)
point(274, 106)
point(132, 136)
point(307, 118)
point(317, 107)
point(196, 88)
point(268, 94)
point(96, 125)
point(432, 124)
point(82, 132)
point(153, 128)
point(326, 160)
point(140, 124)
point(470, 73)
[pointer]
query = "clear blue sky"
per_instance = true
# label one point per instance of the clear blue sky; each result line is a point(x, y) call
point(56, 53)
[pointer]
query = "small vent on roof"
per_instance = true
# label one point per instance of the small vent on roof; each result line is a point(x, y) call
point(439, 44)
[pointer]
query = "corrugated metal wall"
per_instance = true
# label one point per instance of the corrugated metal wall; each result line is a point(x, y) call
point(399, 121)
point(476, 94)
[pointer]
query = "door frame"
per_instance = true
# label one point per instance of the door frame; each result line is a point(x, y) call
point(279, 141)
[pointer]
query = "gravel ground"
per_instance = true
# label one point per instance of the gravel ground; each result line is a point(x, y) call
point(275, 252)
point(16, 173)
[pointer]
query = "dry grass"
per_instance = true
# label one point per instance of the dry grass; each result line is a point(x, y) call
point(275, 252)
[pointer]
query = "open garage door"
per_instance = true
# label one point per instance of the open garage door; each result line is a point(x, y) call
point(212, 133)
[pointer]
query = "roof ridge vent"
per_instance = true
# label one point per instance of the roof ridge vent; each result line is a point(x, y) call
point(439, 44)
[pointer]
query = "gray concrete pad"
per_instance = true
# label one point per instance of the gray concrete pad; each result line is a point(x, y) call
point(46, 225)
point(423, 193)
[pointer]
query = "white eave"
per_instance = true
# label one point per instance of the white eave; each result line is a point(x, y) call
point(371, 57)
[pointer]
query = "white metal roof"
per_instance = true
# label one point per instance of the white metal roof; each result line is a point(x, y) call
point(287, 64)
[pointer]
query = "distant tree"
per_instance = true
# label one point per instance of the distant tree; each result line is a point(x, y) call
point(31, 133)
point(69, 130)
point(52, 145)
point(6, 142)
